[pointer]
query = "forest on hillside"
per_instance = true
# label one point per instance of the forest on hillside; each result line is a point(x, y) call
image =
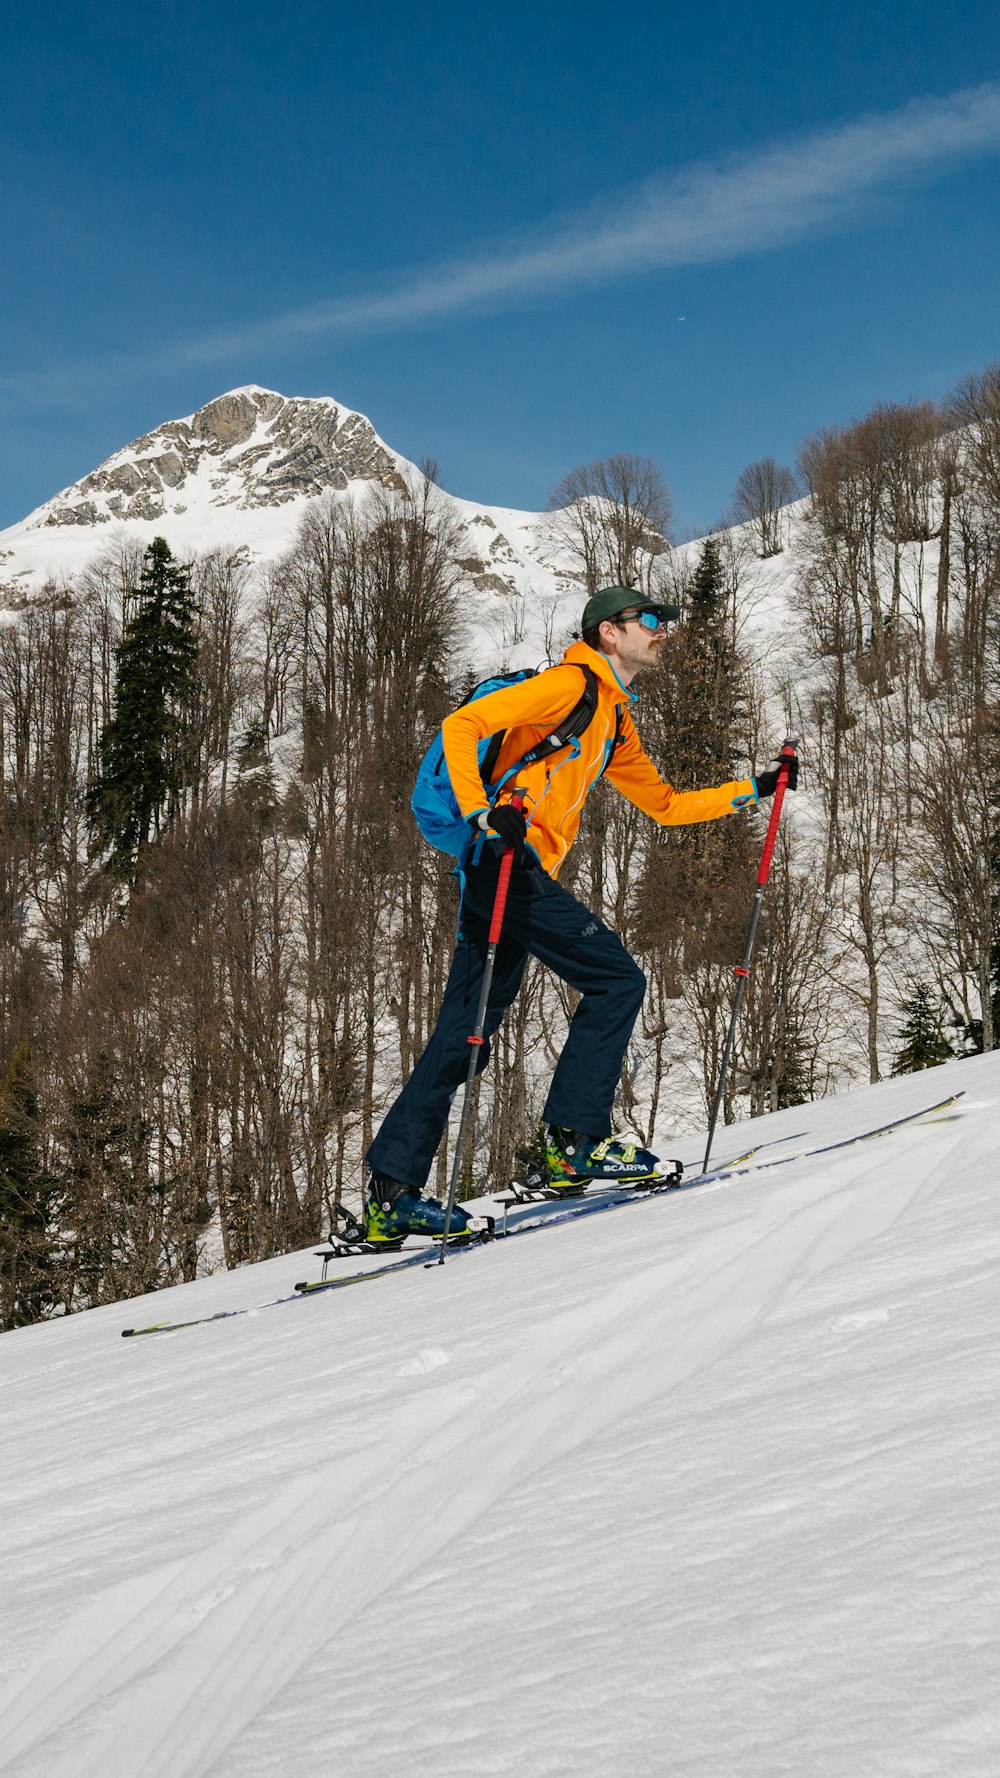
point(223, 942)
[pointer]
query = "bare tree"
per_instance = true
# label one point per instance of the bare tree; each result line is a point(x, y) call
point(975, 408)
point(949, 474)
point(845, 517)
point(960, 798)
point(225, 677)
point(275, 631)
point(870, 856)
point(785, 1043)
point(615, 518)
point(762, 490)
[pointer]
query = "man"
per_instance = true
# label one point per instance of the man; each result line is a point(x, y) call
point(622, 637)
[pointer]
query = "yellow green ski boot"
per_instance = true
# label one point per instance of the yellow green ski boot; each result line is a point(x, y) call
point(393, 1211)
point(573, 1160)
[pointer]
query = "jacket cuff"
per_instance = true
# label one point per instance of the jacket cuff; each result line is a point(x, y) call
point(746, 799)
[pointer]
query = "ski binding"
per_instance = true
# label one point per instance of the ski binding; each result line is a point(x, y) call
point(347, 1239)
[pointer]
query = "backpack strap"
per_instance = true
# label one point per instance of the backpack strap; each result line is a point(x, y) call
point(569, 730)
point(488, 762)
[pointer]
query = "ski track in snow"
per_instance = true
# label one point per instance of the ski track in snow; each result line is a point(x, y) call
point(646, 1512)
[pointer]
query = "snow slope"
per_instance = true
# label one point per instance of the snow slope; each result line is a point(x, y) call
point(707, 1486)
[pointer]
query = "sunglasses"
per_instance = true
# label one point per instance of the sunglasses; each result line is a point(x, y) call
point(650, 620)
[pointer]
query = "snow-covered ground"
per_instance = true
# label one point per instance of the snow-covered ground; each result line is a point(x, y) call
point(708, 1486)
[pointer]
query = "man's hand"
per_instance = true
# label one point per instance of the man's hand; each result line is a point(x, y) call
point(506, 821)
point(766, 782)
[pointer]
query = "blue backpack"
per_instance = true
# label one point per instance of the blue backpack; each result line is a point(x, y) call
point(435, 808)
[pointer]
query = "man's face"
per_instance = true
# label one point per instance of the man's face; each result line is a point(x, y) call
point(637, 648)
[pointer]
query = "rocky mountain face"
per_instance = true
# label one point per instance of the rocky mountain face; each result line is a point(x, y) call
point(254, 447)
point(240, 474)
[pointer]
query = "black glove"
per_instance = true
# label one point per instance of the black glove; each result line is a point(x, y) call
point(510, 824)
point(767, 780)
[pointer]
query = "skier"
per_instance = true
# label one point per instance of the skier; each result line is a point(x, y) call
point(622, 633)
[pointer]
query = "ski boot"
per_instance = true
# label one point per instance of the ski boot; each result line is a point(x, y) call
point(573, 1160)
point(393, 1211)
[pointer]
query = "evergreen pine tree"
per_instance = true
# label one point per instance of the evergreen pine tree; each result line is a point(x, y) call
point(922, 1036)
point(97, 1139)
point(145, 748)
point(791, 1087)
point(255, 786)
point(708, 693)
point(27, 1200)
point(693, 714)
point(707, 590)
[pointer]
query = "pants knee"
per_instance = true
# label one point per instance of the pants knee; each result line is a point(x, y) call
point(636, 986)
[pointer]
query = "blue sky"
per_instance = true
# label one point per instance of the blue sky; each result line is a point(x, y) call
point(517, 242)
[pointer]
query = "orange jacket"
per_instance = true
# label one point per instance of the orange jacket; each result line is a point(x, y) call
point(557, 787)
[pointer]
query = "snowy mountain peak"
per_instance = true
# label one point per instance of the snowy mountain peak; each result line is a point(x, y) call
point(240, 473)
point(248, 448)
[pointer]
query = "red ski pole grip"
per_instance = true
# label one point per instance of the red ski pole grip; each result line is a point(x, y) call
point(785, 758)
point(503, 881)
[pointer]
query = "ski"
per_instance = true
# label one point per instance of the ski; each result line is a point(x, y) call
point(741, 1166)
point(896, 1123)
point(154, 1327)
point(636, 1194)
point(301, 1291)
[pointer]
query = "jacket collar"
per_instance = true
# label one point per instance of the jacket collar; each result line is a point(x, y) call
point(580, 654)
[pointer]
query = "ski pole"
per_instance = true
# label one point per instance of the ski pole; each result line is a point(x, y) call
point(477, 1039)
point(742, 970)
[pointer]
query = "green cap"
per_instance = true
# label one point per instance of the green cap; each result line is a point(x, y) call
point(610, 601)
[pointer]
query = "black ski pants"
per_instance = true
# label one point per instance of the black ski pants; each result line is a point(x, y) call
point(541, 920)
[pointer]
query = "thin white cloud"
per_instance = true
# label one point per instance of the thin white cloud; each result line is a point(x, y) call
point(702, 214)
